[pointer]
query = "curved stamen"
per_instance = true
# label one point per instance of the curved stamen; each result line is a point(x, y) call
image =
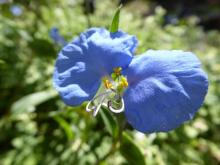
point(96, 108)
point(114, 110)
point(99, 106)
point(90, 109)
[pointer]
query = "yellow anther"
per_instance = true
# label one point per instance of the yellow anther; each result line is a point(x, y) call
point(123, 82)
point(117, 71)
point(107, 83)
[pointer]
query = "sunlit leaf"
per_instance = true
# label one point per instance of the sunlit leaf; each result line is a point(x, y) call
point(115, 21)
point(29, 102)
point(65, 125)
point(130, 151)
point(109, 121)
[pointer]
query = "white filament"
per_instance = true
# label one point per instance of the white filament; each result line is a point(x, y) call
point(117, 110)
point(101, 103)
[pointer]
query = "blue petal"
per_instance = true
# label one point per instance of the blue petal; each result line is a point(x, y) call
point(82, 63)
point(55, 35)
point(166, 88)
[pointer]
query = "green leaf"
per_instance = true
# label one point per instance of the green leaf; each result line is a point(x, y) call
point(28, 103)
point(131, 151)
point(109, 121)
point(42, 47)
point(2, 62)
point(65, 125)
point(115, 20)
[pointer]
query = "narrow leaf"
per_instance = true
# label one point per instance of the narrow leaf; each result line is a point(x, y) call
point(29, 102)
point(130, 151)
point(65, 126)
point(115, 21)
point(109, 121)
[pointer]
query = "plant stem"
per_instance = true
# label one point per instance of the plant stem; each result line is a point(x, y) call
point(116, 141)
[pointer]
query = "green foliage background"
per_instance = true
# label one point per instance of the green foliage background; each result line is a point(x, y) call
point(37, 128)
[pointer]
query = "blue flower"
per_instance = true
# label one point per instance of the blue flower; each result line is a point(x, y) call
point(55, 35)
point(159, 90)
point(16, 10)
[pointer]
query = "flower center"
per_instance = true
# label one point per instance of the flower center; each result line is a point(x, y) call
point(117, 82)
point(114, 87)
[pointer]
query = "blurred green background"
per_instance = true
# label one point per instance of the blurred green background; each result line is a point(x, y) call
point(36, 128)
